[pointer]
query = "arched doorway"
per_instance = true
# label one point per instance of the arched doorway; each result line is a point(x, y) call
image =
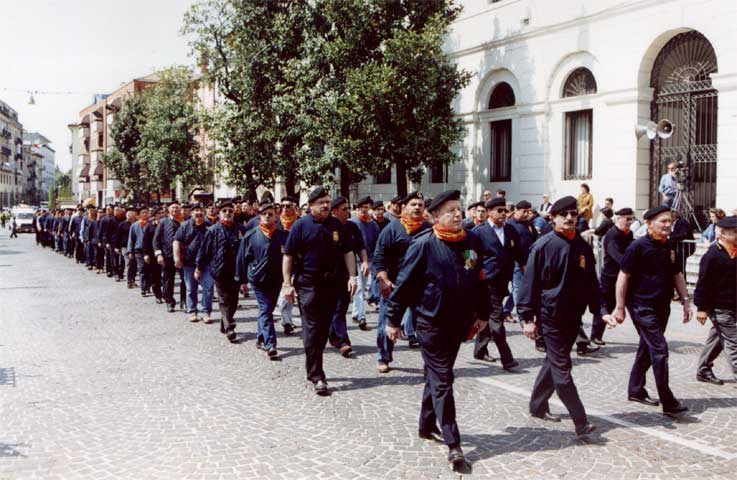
point(684, 95)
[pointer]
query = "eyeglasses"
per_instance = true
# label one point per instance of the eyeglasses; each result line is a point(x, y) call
point(343, 209)
point(572, 213)
point(502, 210)
point(226, 210)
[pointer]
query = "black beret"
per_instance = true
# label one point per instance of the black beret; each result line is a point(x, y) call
point(265, 205)
point(412, 196)
point(564, 204)
point(195, 205)
point(88, 207)
point(496, 202)
point(476, 205)
point(728, 222)
point(377, 204)
point(396, 199)
point(235, 199)
point(624, 211)
point(338, 202)
point(143, 207)
point(289, 198)
point(226, 203)
point(523, 204)
point(187, 205)
point(365, 200)
point(440, 199)
point(316, 194)
point(131, 208)
point(655, 211)
point(175, 202)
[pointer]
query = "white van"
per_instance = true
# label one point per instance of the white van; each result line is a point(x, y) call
point(24, 219)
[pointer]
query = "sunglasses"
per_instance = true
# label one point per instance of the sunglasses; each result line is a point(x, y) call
point(572, 213)
point(227, 210)
point(502, 210)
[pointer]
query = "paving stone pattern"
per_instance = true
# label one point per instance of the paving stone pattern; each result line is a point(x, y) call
point(98, 383)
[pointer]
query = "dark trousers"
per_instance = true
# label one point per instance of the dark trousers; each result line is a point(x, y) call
point(440, 339)
point(143, 270)
point(266, 297)
point(80, 251)
point(169, 273)
point(228, 295)
point(494, 330)
point(609, 295)
point(317, 302)
point(650, 323)
point(132, 268)
point(90, 251)
point(119, 263)
point(182, 288)
point(71, 245)
point(155, 276)
point(555, 374)
point(338, 333)
point(111, 261)
point(100, 256)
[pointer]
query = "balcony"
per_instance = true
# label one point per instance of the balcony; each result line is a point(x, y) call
point(5, 133)
point(6, 151)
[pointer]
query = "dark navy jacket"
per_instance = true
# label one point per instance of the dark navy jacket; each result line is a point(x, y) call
point(108, 229)
point(149, 232)
point(121, 235)
point(391, 246)
point(369, 234)
point(615, 243)
point(164, 237)
point(63, 226)
point(498, 260)
point(219, 249)
point(383, 224)
point(716, 287)
point(318, 248)
point(91, 228)
point(440, 281)
point(527, 236)
point(75, 225)
point(560, 282)
point(651, 266)
point(260, 259)
point(190, 237)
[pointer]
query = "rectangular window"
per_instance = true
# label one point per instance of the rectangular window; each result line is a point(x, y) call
point(385, 177)
point(578, 145)
point(438, 174)
point(500, 168)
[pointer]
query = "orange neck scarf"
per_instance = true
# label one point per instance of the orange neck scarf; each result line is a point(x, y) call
point(478, 221)
point(179, 218)
point(626, 231)
point(287, 222)
point(410, 225)
point(731, 249)
point(268, 231)
point(143, 223)
point(227, 223)
point(448, 235)
point(658, 238)
point(364, 218)
point(568, 234)
point(199, 220)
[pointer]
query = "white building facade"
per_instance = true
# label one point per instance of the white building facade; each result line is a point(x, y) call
point(558, 87)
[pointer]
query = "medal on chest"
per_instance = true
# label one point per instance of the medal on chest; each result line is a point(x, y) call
point(673, 257)
point(511, 242)
point(470, 258)
point(336, 236)
point(582, 262)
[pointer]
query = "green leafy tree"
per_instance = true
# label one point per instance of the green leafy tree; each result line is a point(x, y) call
point(169, 150)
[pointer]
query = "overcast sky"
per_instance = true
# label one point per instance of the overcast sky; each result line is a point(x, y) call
point(84, 46)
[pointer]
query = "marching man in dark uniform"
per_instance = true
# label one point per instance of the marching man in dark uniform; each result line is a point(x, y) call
point(614, 244)
point(152, 270)
point(649, 271)
point(287, 218)
point(134, 247)
point(89, 236)
point(369, 231)
point(558, 284)
point(187, 243)
point(75, 226)
point(315, 250)
point(502, 248)
point(218, 253)
point(378, 211)
point(716, 298)
point(439, 279)
point(390, 249)
point(125, 265)
point(164, 251)
point(259, 263)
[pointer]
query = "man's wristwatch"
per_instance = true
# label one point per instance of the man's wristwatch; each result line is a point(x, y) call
point(685, 299)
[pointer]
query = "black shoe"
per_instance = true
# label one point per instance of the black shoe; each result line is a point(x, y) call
point(362, 324)
point(170, 308)
point(272, 353)
point(288, 329)
point(321, 388)
point(512, 365)
point(110, 275)
point(709, 378)
point(486, 358)
point(584, 430)
point(646, 400)
point(586, 349)
point(598, 341)
point(231, 337)
point(413, 342)
point(259, 345)
point(455, 456)
point(143, 294)
point(433, 435)
point(355, 319)
point(676, 411)
point(547, 416)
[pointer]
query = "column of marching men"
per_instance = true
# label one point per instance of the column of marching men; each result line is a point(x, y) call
point(436, 278)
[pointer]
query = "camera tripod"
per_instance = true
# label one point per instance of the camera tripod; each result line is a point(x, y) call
point(683, 204)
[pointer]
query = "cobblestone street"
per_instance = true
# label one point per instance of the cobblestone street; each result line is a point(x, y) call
point(96, 382)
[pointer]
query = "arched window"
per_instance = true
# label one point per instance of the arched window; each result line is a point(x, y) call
point(580, 82)
point(501, 96)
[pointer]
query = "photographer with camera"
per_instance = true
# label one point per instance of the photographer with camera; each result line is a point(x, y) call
point(669, 185)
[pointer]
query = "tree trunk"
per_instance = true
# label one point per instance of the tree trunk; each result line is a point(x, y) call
point(401, 179)
point(345, 181)
point(290, 184)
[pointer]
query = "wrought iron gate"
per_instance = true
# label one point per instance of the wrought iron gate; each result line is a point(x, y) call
point(684, 95)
